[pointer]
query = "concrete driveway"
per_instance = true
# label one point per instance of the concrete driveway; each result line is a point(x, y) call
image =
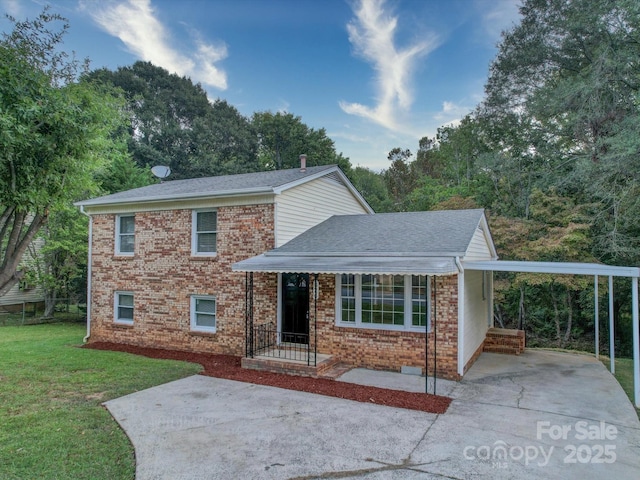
point(540, 415)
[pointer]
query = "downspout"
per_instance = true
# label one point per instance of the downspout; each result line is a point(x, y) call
point(460, 316)
point(89, 270)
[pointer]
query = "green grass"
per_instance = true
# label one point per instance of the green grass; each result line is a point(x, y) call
point(52, 424)
point(624, 375)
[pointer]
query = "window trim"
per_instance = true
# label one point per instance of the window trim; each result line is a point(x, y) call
point(193, 314)
point(408, 312)
point(194, 233)
point(116, 307)
point(119, 234)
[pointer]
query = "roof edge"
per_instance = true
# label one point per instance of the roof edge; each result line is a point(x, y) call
point(165, 198)
point(274, 253)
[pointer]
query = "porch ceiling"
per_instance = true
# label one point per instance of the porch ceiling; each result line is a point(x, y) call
point(397, 265)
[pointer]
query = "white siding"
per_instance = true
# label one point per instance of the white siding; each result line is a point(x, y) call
point(476, 310)
point(478, 247)
point(302, 207)
point(15, 295)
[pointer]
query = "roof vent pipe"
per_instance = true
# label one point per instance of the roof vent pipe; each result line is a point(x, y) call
point(303, 163)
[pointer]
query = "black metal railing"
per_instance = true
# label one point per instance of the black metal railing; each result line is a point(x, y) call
point(269, 342)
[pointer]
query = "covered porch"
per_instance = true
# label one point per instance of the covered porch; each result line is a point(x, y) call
point(297, 342)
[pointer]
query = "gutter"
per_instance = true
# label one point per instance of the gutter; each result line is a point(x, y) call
point(461, 301)
point(89, 265)
point(164, 198)
point(458, 264)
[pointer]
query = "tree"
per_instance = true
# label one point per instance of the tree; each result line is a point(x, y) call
point(372, 187)
point(173, 123)
point(568, 77)
point(60, 264)
point(283, 137)
point(400, 178)
point(53, 132)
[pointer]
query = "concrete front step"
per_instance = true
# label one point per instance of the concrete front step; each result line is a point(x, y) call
point(337, 370)
point(291, 367)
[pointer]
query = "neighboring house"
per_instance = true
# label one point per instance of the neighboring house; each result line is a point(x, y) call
point(24, 292)
point(291, 260)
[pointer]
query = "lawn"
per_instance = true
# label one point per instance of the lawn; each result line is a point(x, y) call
point(52, 424)
point(624, 375)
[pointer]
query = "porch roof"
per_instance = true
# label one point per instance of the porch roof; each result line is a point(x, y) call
point(397, 265)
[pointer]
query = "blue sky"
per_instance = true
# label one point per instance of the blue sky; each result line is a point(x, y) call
point(375, 74)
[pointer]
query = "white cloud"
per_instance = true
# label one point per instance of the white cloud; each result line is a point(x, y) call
point(498, 15)
point(372, 33)
point(283, 106)
point(12, 7)
point(135, 23)
point(452, 112)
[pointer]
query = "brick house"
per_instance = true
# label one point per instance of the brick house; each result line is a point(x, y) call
point(290, 269)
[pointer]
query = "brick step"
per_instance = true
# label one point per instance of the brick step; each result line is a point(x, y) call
point(336, 370)
point(502, 349)
point(502, 340)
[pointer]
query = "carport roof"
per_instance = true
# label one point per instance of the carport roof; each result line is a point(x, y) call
point(566, 268)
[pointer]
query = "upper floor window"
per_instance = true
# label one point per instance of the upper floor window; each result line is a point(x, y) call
point(394, 302)
point(123, 307)
point(125, 234)
point(204, 232)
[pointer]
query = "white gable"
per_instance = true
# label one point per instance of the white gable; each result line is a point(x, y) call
point(306, 205)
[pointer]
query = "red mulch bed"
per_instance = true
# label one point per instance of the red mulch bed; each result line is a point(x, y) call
point(228, 366)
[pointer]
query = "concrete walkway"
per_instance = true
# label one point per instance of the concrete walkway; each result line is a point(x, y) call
point(543, 415)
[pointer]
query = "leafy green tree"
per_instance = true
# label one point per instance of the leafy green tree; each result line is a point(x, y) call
point(283, 137)
point(173, 123)
point(568, 78)
point(54, 131)
point(60, 264)
point(400, 177)
point(372, 187)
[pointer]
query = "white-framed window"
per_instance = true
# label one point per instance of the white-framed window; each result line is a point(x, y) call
point(203, 313)
point(125, 234)
point(204, 232)
point(391, 302)
point(123, 307)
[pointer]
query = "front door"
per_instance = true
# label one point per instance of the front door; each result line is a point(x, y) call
point(295, 307)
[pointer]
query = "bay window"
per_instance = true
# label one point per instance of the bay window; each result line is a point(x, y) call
point(394, 302)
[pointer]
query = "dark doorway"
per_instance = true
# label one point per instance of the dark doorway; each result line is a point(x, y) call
point(295, 307)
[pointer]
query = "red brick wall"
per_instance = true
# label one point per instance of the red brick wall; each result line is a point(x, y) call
point(163, 275)
point(391, 349)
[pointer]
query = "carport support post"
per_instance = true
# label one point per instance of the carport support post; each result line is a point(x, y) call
point(612, 332)
point(636, 340)
point(596, 314)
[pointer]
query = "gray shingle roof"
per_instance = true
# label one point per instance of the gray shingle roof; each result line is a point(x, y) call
point(436, 233)
point(211, 186)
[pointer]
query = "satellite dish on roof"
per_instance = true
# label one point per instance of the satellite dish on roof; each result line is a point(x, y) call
point(161, 171)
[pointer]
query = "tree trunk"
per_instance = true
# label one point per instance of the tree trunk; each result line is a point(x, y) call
point(567, 332)
point(17, 244)
point(49, 304)
point(497, 316)
point(556, 320)
point(521, 312)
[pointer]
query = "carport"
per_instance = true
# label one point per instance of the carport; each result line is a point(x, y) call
point(590, 269)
